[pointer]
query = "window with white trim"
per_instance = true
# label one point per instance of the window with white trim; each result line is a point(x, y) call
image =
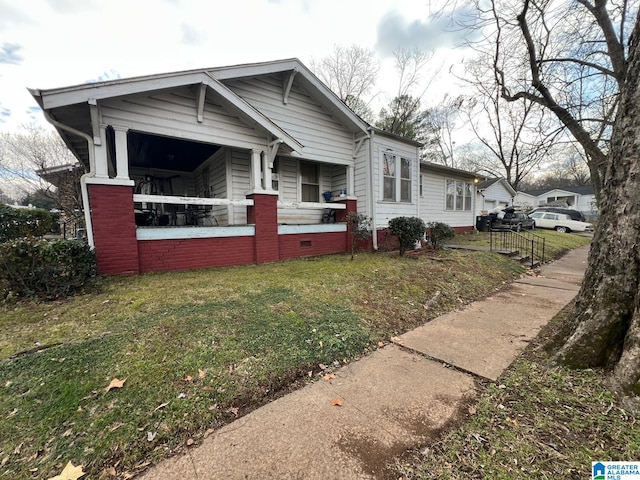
point(396, 183)
point(458, 195)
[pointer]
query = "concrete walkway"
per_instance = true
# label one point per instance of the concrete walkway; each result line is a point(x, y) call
point(400, 397)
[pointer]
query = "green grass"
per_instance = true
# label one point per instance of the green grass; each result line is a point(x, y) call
point(556, 244)
point(539, 421)
point(253, 332)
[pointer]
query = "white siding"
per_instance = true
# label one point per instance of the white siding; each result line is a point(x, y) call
point(173, 114)
point(432, 203)
point(323, 137)
point(386, 210)
point(494, 196)
point(239, 183)
point(289, 188)
point(362, 178)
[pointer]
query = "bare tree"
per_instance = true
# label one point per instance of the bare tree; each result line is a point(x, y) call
point(570, 58)
point(441, 125)
point(403, 116)
point(351, 73)
point(516, 137)
point(33, 151)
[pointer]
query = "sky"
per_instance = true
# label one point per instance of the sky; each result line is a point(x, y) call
point(57, 43)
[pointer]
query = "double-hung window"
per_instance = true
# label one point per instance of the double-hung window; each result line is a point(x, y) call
point(396, 178)
point(458, 195)
point(310, 182)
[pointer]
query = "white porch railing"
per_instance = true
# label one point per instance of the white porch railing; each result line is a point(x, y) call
point(142, 198)
point(312, 205)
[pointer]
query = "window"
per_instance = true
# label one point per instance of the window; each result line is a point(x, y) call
point(275, 175)
point(458, 195)
point(310, 182)
point(389, 175)
point(396, 188)
point(405, 180)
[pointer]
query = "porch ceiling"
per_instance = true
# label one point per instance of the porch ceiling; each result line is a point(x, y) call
point(153, 151)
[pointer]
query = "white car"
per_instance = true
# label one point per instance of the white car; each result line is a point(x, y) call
point(560, 222)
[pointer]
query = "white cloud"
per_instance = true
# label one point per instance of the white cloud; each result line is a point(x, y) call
point(68, 42)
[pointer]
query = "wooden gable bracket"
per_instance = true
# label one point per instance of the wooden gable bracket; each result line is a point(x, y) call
point(287, 84)
point(357, 145)
point(202, 93)
point(272, 150)
point(95, 121)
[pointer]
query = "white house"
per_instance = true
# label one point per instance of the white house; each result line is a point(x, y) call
point(581, 198)
point(241, 164)
point(447, 195)
point(493, 193)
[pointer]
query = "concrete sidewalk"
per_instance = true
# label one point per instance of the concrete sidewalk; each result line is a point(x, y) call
point(400, 397)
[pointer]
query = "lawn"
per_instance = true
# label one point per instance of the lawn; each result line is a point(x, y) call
point(198, 349)
point(556, 244)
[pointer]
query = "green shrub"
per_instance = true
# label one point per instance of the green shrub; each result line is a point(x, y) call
point(31, 267)
point(408, 230)
point(17, 223)
point(439, 232)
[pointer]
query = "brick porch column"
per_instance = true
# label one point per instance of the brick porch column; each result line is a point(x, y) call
point(264, 215)
point(114, 229)
point(352, 206)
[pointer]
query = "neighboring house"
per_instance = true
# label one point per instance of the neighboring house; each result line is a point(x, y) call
point(66, 178)
point(448, 195)
point(581, 198)
point(225, 166)
point(493, 193)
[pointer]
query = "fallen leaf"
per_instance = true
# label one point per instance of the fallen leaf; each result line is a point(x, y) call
point(397, 340)
point(208, 388)
point(189, 378)
point(310, 373)
point(336, 402)
point(329, 376)
point(182, 395)
point(162, 405)
point(112, 471)
point(472, 410)
point(151, 436)
point(381, 344)
point(202, 373)
point(115, 383)
point(70, 473)
point(234, 410)
point(208, 432)
point(190, 442)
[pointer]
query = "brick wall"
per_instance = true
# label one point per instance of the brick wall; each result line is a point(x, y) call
point(114, 229)
point(264, 215)
point(167, 255)
point(311, 244)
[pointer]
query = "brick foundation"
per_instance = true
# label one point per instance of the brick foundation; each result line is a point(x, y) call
point(312, 244)
point(187, 254)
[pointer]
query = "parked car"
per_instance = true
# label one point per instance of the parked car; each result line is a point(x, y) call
point(574, 214)
point(560, 222)
point(514, 221)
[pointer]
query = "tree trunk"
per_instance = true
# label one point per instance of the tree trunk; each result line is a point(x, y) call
point(606, 318)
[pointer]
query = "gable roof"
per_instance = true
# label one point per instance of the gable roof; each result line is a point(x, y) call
point(70, 105)
point(449, 170)
point(490, 181)
point(580, 190)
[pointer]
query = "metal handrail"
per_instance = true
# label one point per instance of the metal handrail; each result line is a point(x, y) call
point(527, 243)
